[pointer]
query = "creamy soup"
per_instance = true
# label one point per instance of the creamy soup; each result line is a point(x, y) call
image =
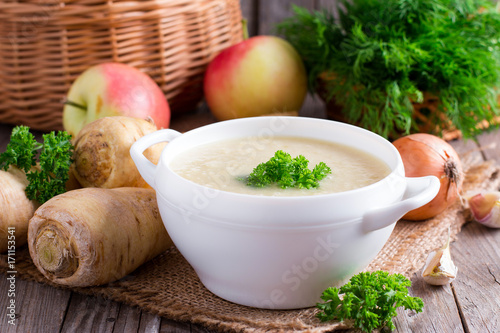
point(222, 165)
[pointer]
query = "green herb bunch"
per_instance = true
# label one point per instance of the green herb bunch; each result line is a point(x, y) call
point(54, 157)
point(381, 56)
point(287, 172)
point(370, 299)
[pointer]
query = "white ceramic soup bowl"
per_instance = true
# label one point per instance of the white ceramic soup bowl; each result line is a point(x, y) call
point(279, 252)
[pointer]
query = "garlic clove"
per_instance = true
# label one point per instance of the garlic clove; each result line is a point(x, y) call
point(485, 208)
point(439, 269)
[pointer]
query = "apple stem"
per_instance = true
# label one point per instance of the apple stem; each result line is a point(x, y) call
point(76, 105)
point(244, 27)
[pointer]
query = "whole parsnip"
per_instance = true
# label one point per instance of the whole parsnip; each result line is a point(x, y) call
point(93, 236)
point(102, 157)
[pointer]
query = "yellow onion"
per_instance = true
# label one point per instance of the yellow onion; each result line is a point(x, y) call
point(424, 155)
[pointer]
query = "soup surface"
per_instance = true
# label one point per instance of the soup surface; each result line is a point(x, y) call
point(222, 165)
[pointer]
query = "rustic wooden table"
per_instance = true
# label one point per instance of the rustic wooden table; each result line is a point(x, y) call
point(470, 304)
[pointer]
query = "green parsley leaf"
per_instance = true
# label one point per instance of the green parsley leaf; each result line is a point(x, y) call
point(287, 172)
point(370, 299)
point(54, 159)
point(21, 150)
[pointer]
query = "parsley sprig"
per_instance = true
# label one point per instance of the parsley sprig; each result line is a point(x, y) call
point(370, 299)
point(21, 150)
point(54, 159)
point(287, 172)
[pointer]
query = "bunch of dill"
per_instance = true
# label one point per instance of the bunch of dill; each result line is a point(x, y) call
point(383, 55)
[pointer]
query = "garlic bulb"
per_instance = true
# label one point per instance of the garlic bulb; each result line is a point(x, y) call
point(485, 208)
point(439, 269)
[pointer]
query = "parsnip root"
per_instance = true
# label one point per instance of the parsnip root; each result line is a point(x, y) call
point(102, 152)
point(15, 208)
point(93, 236)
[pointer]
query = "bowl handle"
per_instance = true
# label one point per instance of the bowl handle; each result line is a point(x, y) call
point(419, 191)
point(146, 167)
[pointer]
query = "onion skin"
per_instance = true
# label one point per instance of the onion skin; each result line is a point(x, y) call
point(424, 155)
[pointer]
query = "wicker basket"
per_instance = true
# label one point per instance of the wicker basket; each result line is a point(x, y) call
point(46, 44)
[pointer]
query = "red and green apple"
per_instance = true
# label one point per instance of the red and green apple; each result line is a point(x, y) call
point(258, 76)
point(114, 89)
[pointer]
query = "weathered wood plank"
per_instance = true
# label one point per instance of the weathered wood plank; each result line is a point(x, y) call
point(273, 12)
point(440, 310)
point(490, 142)
point(262, 15)
point(200, 329)
point(170, 326)
point(128, 319)
point(313, 107)
point(330, 5)
point(38, 307)
point(133, 319)
point(90, 314)
point(189, 121)
point(150, 323)
point(469, 151)
point(249, 11)
point(476, 253)
point(477, 286)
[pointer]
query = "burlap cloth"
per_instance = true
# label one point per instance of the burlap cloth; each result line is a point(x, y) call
point(169, 287)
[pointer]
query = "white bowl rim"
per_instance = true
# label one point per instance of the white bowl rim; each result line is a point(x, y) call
point(393, 173)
